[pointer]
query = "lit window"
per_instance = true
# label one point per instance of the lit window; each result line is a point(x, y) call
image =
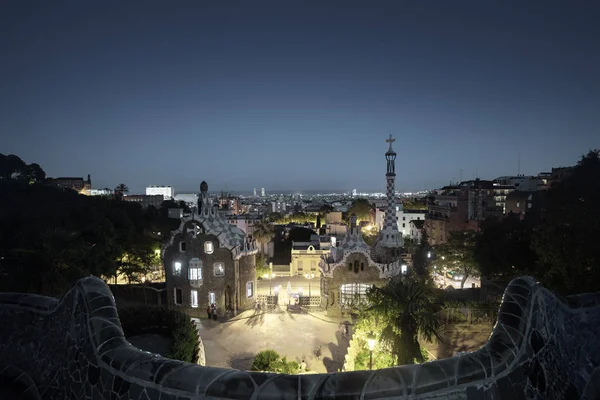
point(219, 269)
point(208, 247)
point(353, 293)
point(177, 296)
point(195, 270)
point(194, 298)
point(517, 204)
point(212, 298)
point(249, 289)
point(177, 268)
point(182, 246)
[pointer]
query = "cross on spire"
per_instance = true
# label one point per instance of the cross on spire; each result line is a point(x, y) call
point(390, 140)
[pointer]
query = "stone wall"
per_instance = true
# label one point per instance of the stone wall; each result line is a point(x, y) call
point(74, 348)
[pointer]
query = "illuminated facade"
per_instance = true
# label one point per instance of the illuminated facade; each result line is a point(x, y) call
point(210, 261)
point(353, 266)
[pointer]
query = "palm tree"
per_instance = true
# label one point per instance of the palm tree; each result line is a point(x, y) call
point(121, 190)
point(263, 232)
point(407, 306)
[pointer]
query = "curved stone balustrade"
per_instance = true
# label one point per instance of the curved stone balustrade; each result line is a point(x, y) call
point(74, 348)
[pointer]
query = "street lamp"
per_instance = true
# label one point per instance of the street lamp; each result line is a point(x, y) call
point(309, 277)
point(270, 277)
point(371, 344)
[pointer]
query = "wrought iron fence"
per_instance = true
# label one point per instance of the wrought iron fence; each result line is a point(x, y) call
point(310, 301)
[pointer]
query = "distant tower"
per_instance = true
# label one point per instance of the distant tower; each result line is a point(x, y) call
point(390, 236)
point(353, 192)
point(262, 192)
point(203, 198)
point(254, 192)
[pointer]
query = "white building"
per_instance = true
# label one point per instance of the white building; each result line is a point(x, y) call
point(191, 199)
point(167, 192)
point(521, 183)
point(100, 192)
point(416, 230)
point(254, 192)
point(262, 192)
point(404, 218)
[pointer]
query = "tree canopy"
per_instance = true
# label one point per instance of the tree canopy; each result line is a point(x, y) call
point(566, 241)
point(362, 209)
point(12, 167)
point(404, 308)
point(50, 237)
point(458, 254)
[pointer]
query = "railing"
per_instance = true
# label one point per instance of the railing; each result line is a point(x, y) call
point(470, 316)
point(309, 301)
point(266, 300)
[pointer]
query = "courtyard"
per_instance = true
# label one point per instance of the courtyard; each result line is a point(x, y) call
point(297, 336)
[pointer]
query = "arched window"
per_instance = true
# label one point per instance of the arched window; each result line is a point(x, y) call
point(208, 247)
point(362, 266)
point(356, 266)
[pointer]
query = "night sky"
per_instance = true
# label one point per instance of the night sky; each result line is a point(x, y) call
point(298, 95)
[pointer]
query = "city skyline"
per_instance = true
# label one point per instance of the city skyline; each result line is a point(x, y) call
point(298, 97)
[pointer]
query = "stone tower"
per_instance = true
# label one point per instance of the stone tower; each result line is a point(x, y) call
point(390, 236)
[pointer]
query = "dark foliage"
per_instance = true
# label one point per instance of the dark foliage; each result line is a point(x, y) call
point(169, 323)
point(50, 237)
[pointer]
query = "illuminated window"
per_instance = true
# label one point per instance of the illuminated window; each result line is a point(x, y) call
point(249, 289)
point(194, 298)
point(208, 247)
point(212, 298)
point(353, 293)
point(219, 269)
point(177, 268)
point(195, 271)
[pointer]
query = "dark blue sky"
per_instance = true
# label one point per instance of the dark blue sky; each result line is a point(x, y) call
point(298, 95)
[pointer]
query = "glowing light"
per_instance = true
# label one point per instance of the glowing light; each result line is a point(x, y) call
point(371, 342)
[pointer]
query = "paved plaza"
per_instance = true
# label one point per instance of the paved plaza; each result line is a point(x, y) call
point(233, 344)
point(294, 283)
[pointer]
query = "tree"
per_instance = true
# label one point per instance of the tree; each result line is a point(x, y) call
point(263, 232)
point(406, 307)
point(566, 241)
point(362, 209)
point(271, 361)
point(121, 190)
point(326, 208)
point(458, 254)
point(262, 268)
point(12, 167)
point(503, 248)
point(419, 256)
point(370, 234)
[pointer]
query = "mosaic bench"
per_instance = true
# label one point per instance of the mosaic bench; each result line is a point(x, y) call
point(541, 347)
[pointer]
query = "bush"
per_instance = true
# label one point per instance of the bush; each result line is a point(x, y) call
point(271, 361)
point(265, 361)
point(169, 323)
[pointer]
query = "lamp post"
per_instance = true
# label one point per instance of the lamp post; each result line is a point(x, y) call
point(371, 344)
point(309, 277)
point(270, 277)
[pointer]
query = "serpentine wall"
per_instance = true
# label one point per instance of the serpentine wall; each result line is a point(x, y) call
point(541, 347)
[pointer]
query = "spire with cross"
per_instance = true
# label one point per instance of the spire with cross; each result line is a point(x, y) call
point(390, 234)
